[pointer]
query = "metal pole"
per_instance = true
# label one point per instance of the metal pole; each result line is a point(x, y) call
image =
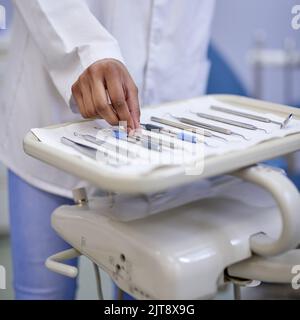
point(98, 281)
point(120, 294)
point(289, 46)
point(237, 295)
point(258, 67)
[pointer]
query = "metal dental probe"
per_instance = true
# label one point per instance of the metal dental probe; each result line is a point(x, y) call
point(254, 117)
point(227, 121)
point(179, 135)
point(146, 138)
point(287, 121)
point(181, 126)
point(145, 143)
point(208, 126)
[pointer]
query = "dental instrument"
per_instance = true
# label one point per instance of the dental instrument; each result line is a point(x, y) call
point(254, 117)
point(179, 135)
point(181, 126)
point(145, 142)
point(120, 134)
point(93, 152)
point(103, 143)
point(206, 126)
point(227, 121)
point(158, 139)
point(87, 151)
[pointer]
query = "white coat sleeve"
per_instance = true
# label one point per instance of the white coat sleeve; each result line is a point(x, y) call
point(69, 37)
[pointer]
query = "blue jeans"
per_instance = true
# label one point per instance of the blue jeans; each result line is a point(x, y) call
point(33, 241)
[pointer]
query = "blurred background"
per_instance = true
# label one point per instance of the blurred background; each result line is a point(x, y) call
point(254, 52)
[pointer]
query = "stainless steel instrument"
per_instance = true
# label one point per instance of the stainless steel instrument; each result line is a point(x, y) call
point(254, 117)
point(206, 126)
point(181, 126)
point(228, 121)
point(145, 142)
point(87, 151)
point(180, 136)
point(109, 146)
point(94, 152)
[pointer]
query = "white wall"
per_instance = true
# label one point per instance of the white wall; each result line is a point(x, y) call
point(4, 42)
point(3, 184)
point(3, 201)
point(235, 24)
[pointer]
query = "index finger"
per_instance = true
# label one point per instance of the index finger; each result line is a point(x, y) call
point(133, 102)
point(117, 96)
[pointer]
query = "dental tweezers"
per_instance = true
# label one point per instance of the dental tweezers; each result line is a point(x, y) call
point(254, 117)
point(87, 150)
point(109, 146)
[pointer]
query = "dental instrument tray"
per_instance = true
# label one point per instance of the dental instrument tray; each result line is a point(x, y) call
point(179, 143)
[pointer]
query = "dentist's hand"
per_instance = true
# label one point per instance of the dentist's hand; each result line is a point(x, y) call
point(90, 93)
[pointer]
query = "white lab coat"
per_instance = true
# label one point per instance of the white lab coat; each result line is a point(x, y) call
point(162, 42)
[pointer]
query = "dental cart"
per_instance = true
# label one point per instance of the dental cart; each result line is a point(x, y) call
point(244, 234)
